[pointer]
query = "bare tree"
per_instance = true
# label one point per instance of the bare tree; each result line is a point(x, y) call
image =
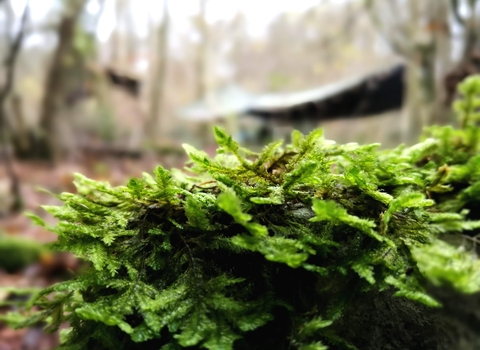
point(116, 38)
point(54, 97)
point(5, 91)
point(124, 41)
point(159, 75)
point(468, 21)
point(420, 32)
point(203, 48)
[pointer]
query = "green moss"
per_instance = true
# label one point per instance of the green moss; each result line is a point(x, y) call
point(17, 253)
point(269, 250)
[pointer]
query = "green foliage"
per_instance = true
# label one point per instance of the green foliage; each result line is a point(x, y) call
point(17, 253)
point(265, 251)
point(441, 262)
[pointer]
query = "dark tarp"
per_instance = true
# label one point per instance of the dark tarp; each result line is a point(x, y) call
point(370, 95)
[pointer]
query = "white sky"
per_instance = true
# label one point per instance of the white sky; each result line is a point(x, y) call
point(38, 8)
point(258, 12)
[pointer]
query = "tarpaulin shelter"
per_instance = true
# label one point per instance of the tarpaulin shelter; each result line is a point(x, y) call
point(364, 95)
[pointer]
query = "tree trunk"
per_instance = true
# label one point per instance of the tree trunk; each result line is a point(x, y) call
point(131, 39)
point(20, 135)
point(54, 98)
point(470, 27)
point(9, 64)
point(116, 49)
point(201, 63)
point(441, 113)
point(159, 76)
point(124, 42)
point(424, 40)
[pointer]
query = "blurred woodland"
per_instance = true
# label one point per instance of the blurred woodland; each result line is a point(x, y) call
point(99, 86)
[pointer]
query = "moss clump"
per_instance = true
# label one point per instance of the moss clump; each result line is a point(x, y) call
point(269, 250)
point(17, 253)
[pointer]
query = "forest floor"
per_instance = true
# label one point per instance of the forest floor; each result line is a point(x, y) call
point(34, 176)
